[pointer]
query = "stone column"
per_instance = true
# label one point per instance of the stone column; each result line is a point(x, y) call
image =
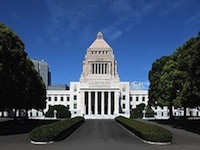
point(109, 103)
point(116, 100)
point(102, 103)
point(82, 101)
point(96, 104)
point(89, 103)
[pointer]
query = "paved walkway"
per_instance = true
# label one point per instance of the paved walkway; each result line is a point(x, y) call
point(102, 135)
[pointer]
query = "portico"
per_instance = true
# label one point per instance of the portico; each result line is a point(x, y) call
point(100, 103)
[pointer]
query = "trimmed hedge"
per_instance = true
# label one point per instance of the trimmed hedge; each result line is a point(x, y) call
point(55, 131)
point(148, 132)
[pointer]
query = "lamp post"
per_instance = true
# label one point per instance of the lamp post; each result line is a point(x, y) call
point(55, 112)
point(144, 112)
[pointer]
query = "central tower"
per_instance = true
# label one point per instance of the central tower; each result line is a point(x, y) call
point(99, 66)
point(98, 94)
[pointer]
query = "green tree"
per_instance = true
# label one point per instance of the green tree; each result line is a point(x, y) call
point(169, 85)
point(20, 85)
point(62, 111)
point(12, 64)
point(188, 58)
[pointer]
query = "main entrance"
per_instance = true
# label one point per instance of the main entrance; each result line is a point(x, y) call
point(101, 104)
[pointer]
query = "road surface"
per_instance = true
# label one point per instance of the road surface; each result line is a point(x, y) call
point(102, 135)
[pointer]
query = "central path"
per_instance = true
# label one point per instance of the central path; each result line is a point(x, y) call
point(103, 135)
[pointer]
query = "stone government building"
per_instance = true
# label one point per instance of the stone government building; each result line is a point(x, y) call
point(99, 94)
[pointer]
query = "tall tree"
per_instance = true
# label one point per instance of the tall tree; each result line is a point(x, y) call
point(188, 58)
point(12, 62)
point(21, 87)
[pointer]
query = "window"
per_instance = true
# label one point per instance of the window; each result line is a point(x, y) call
point(75, 97)
point(49, 98)
point(92, 68)
point(67, 98)
point(55, 98)
point(131, 99)
point(143, 99)
point(137, 99)
point(123, 106)
point(68, 106)
point(75, 106)
point(124, 97)
point(61, 98)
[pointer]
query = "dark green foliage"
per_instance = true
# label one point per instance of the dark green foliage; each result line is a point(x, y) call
point(21, 87)
point(137, 112)
point(55, 131)
point(146, 131)
point(175, 80)
point(149, 112)
point(62, 111)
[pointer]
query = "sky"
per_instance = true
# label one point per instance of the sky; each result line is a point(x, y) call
point(139, 31)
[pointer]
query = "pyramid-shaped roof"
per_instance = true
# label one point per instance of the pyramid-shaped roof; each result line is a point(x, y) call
point(99, 42)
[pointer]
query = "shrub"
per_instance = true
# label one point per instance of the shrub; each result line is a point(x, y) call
point(137, 112)
point(146, 131)
point(149, 112)
point(55, 131)
point(62, 111)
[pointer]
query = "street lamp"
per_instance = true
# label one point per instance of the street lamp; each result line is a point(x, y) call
point(55, 112)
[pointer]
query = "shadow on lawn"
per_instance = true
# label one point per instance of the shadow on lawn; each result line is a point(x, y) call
point(20, 126)
point(192, 125)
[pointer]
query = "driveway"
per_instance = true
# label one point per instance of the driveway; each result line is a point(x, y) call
point(101, 135)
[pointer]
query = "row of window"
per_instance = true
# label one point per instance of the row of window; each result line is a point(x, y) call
point(75, 98)
point(56, 98)
point(137, 98)
point(99, 52)
point(61, 98)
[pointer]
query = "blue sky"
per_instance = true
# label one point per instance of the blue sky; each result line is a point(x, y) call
point(139, 31)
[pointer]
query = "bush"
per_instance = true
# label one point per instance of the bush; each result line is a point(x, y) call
point(146, 131)
point(137, 112)
point(55, 131)
point(149, 112)
point(62, 111)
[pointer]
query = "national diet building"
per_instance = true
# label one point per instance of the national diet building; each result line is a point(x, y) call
point(99, 94)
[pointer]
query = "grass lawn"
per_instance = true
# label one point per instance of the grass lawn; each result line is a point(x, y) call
point(20, 126)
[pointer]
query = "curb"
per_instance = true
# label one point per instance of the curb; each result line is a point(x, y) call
point(147, 142)
point(42, 143)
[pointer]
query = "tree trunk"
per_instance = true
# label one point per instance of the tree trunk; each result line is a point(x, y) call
point(185, 113)
point(171, 117)
point(26, 114)
point(15, 114)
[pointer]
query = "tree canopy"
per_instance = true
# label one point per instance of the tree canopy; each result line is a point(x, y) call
point(21, 87)
point(174, 80)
